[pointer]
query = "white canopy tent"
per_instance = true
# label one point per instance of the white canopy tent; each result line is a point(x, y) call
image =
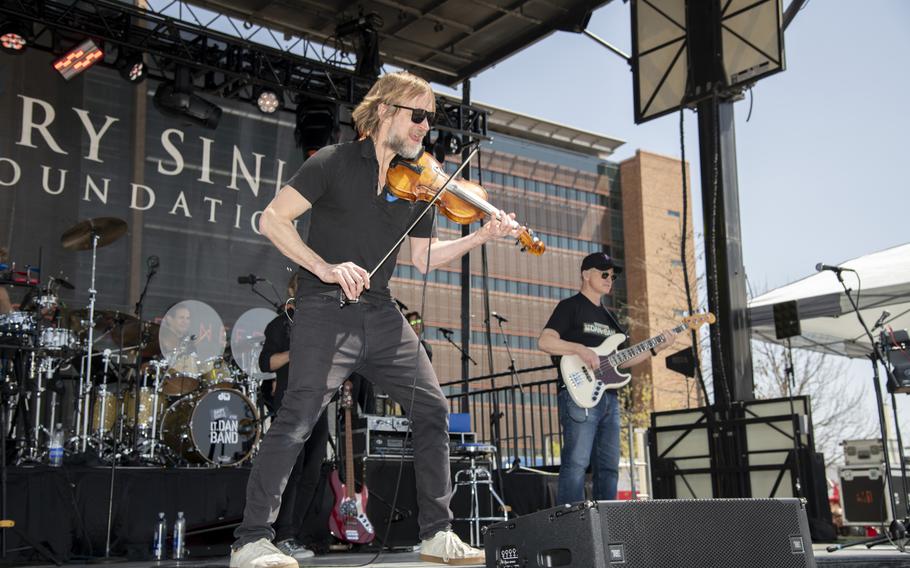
point(826, 317)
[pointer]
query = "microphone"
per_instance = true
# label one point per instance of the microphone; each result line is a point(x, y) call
point(445, 331)
point(153, 262)
point(401, 305)
point(249, 279)
point(881, 320)
point(836, 269)
point(499, 317)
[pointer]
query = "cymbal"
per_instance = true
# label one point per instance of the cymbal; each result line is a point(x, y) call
point(79, 236)
point(114, 328)
point(62, 282)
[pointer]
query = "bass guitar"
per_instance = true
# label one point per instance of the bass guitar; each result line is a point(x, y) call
point(348, 521)
point(586, 386)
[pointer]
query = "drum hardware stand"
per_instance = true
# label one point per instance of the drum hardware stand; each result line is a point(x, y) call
point(91, 327)
point(36, 376)
point(45, 370)
point(83, 406)
point(152, 264)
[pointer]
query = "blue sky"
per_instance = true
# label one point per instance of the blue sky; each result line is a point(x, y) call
point(820, 160)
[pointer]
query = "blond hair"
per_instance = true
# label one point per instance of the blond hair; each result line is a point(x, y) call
point(392, 88)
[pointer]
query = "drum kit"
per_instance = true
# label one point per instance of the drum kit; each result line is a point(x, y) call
point(168, 392)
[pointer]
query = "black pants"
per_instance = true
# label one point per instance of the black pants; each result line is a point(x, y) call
point(302, 484)
point(329, 343)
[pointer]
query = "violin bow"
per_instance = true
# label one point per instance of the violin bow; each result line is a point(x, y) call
point(343, 299)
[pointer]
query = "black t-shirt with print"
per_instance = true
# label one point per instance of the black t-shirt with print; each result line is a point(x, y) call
point(578, 320)
point(349, 222)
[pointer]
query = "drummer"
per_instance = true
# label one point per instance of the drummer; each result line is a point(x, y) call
point(6, 306)
point(177, 344)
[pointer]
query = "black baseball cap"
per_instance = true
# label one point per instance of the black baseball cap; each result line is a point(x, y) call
point(600, 261)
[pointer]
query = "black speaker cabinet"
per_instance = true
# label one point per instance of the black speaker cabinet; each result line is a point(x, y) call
point(403, 530)
point(746, 533)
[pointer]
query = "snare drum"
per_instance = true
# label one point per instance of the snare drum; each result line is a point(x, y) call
point(219, 427)
point(57, 339)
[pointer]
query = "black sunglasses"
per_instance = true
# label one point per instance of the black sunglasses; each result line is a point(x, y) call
point(606, 275)
point(418, 115)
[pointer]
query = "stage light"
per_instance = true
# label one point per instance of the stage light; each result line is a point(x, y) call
point(13, 37)
point(176, 99)
point(447, 144)
point(78, 59)
point(267, 99)
point(131, 66)
point(180, 103)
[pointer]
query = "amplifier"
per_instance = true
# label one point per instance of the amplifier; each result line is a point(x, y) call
point(745, 533)
point(387, 436)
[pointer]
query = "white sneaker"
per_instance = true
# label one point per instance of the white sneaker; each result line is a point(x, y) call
point(446, 548)
point(294, 549)
point(261, 554)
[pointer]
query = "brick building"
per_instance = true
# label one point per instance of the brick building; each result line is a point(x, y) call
point(562, 184)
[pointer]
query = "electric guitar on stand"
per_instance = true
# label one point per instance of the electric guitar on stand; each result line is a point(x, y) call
point(348, 521)
point(586, 386)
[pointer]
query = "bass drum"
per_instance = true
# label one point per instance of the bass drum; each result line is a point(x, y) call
point(218, 427)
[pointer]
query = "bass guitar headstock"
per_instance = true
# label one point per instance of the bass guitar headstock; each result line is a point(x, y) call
point(695, 321)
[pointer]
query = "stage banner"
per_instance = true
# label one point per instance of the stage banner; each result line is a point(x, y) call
point(97, 147)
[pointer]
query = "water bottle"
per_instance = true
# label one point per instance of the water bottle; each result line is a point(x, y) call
point(179, 536)
point(160, 538)
point(55, 450)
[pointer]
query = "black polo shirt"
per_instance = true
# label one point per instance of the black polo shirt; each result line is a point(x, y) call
point(349, 222)
point(578, 320)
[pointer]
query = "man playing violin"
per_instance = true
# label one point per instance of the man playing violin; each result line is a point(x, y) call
point(354, 222)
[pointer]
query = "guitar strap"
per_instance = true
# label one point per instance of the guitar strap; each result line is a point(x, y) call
point(613, 319)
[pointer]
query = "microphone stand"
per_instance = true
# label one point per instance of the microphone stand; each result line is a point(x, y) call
point(516, 386)
point(896, 530)
point(253, 289)
point(464, 354)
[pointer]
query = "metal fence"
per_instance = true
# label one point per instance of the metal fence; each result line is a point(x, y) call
point(524, 413)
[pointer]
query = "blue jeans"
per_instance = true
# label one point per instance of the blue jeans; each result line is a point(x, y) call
point(589, 437)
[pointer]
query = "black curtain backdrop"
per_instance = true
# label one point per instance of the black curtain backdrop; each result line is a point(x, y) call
point(208, 188)
point(66, 508)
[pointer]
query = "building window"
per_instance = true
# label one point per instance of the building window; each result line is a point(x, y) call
point(676, 263)
point(672, 213)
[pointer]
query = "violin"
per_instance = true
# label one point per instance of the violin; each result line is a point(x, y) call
point(462, 201)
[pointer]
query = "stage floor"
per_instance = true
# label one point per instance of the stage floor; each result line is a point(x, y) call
point(880, 556)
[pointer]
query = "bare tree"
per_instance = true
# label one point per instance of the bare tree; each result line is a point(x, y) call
point(823, 378)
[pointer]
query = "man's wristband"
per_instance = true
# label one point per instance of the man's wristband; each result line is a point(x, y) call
point(653, 352)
